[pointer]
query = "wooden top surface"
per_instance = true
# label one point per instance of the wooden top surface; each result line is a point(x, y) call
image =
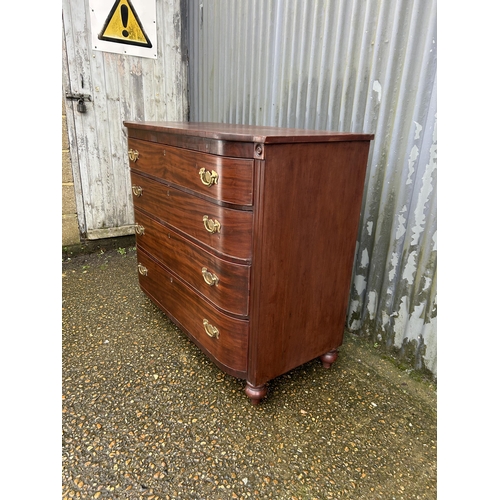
point(247, 133)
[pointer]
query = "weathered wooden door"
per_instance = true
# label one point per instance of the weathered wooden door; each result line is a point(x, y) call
point(120, 87)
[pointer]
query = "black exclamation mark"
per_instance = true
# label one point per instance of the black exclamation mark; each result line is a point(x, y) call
point(124, 13)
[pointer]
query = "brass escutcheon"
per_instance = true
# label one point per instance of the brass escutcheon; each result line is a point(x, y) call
point(212, 226)
point(211, 279)
point(133, 154)
point(139, 229)
point(208, 177)
point(142, 269)
point(210, 330)
point(137, 190)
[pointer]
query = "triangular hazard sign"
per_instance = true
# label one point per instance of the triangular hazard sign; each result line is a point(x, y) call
point(123, 26)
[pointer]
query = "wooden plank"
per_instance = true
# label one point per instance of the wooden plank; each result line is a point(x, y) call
point(113, 232)
point(249, 133)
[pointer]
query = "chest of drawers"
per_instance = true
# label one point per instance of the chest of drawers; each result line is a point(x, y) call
point(246, 238)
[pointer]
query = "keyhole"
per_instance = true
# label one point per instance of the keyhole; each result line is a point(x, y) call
point(124, 13)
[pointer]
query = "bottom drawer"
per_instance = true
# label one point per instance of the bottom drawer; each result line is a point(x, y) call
point(223, 338)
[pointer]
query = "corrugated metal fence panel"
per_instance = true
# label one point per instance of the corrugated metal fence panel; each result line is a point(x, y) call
point(361, 66)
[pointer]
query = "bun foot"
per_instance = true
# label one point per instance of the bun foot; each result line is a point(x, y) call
point(255, 393)
point(329, 358)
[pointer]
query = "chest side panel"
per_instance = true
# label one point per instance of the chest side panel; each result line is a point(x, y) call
point(307, 212)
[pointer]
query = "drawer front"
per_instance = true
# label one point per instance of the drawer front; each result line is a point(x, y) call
point(226, 230)
point(223, 337)
point(224, 283)
point(225, 179)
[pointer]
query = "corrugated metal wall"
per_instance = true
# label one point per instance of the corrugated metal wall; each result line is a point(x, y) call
point(361, 66)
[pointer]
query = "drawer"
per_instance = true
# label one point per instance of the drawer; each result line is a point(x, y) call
point(225, 230)
point(224, 338)
point(223, 283)
point(225, 179)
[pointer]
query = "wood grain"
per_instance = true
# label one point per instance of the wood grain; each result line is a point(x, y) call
point(240, 133)
point(307, 213)
point(186, 260)
point(185, 212)
point(193, 142)
point(188, 310)
point(181, 167)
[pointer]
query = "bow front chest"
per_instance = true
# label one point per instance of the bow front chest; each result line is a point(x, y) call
point(246, 238)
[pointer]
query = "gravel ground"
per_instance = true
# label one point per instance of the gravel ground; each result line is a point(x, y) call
point(145, 415)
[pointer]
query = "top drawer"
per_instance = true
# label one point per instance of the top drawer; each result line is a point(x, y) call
point(226, 179)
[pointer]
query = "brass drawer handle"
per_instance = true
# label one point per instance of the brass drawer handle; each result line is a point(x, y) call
point(139, 229)
point(212, 226)
point(210, 330)
point(208, 177)
point(142, 269)
point(137, 190)
point(133, 154)
point(211, 279)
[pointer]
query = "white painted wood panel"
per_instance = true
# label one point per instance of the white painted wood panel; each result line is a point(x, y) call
point(122, 87)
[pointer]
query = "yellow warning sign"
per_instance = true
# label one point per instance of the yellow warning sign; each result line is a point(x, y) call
point(123, 26)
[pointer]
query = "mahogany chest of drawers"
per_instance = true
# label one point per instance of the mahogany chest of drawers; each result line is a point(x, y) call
point(246, 238)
